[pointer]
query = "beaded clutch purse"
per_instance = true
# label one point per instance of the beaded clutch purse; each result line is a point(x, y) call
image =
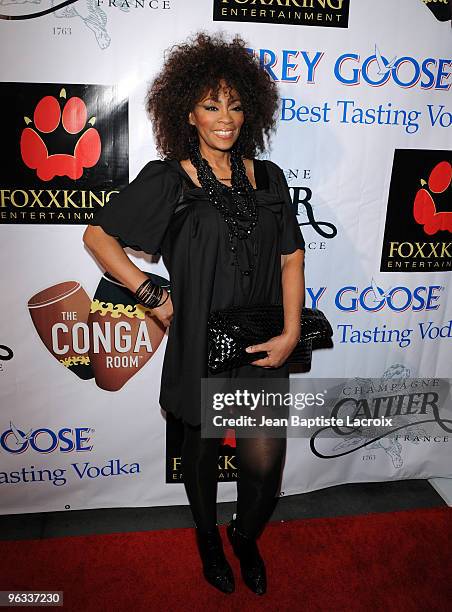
point(231, 330)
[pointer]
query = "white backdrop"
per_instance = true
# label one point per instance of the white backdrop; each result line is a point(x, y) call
point(345, 163)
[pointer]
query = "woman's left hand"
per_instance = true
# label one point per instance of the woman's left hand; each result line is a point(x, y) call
point(278, 350)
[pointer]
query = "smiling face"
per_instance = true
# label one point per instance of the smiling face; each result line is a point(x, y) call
point(218, 119)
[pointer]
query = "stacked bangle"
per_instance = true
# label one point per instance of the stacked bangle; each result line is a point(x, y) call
point(150, 295)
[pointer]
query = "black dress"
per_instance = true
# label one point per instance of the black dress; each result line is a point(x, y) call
point(163, 211)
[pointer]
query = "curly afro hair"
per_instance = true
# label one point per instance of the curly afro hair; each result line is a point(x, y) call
point(194, 69)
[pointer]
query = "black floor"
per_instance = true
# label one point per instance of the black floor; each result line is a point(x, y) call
point(341, 500)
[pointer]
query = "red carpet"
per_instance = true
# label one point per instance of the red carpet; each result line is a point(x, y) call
point(367, 563)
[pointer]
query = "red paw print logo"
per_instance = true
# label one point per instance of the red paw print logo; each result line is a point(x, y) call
point(424, 208)
point(46, 118)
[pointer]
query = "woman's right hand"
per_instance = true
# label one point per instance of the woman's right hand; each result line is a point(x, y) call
point(163, 313)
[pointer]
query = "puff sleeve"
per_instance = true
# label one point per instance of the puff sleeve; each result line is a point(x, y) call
point(291, 237)
point(139, 216)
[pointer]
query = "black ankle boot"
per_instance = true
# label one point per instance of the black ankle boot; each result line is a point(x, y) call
point(216, 569)
point(251, 563)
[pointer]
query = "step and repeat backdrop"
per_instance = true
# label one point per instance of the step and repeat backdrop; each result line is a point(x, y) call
point(364, 138)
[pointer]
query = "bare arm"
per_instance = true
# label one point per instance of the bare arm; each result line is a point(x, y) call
point(293, 286)
point(112, 257)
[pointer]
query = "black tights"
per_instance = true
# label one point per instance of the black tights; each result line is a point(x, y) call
point(260, 461)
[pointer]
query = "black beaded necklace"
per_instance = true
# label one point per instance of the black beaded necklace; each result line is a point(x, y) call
point(242, 217)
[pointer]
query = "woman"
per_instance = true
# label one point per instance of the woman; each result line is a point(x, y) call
point(224, 224)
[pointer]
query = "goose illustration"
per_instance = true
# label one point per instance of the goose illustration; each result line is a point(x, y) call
point(379, 293)
point(383, 66)
point(20, 439)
